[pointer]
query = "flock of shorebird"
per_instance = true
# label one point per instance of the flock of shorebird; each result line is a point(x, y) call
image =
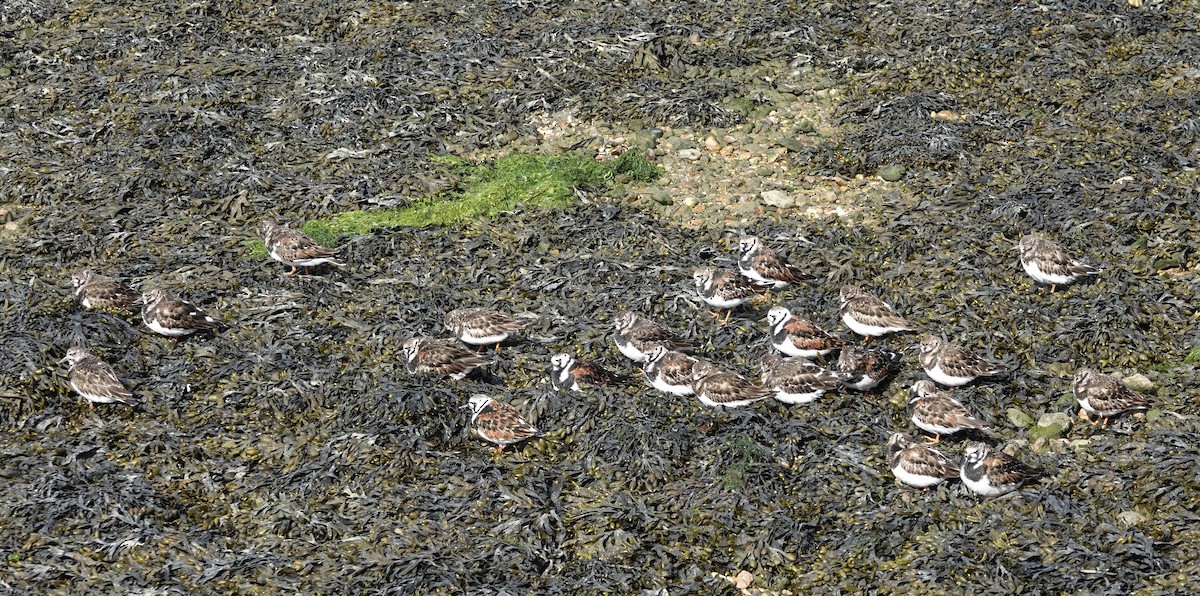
point(797, 376)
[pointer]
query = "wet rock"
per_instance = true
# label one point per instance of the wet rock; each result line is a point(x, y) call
point(1018, 418)
point(1050, 426)
point(892, 172)
point(777, 198)
point(1139, 382)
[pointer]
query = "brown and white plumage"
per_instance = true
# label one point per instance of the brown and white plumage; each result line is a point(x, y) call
point(100, 291)
point(764, 265)
point(636, 336)
point(865, 368)
point(568, 372)
point(1048, 262)
point(499, 423)
point(95, 380)
point(669, 371)
point(724, 289)
point(953, 365)
point(991, 472)
point(428, 355)
point(796, 380)
point(797, 336)
point(293, 248)
point(716, 386)
point(481, 326)
point(869, 316)
point(918, 465)
point(1104, 397)
point(172, 316)
point(936, 412)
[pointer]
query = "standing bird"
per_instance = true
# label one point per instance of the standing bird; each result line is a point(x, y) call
point(938, 413)
point(636, 336)
point(483, 326)
point(171, 316)
point(100, 291)
point(566, 373)
point(869, 316)
point(499, 423)
point(796, 380)
point(764, 265)
point(95, 380)
point(669, 371)
point(797, 336)
point(952, 365)
point(992, 473)
point(1102, 396)
point(864, 368)
point(427, 355)
point(918, 465)
point(725, 290)
point(715, 386)
point(1047, 262)
point(293, 248)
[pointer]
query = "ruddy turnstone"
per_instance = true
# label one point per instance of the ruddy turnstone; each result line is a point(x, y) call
point(864, 368)
point(1047, 262)
point(171, 316)
point(95, 380)
point(918, 465)
point(869, 316)
point(636, 336)
point(715, 386)
point(499, 423)
point(669, 371)
point(936, 412)
point(724, 289)
point(293, 248)
point(797, 336)
point(100, 291)
point(764, 265)
point(566, 372)
point(428, 355)
point(991, 472)
point(952, 365)
point(483, 326)
point(796, 380)
point(1102, 396)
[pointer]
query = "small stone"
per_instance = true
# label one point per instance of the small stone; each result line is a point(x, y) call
point(712, 144)
point(691, 154)
point(1019, 418)
point(1131, 518)
point(947, 116)
point(1138, 382)
point(892, 172)
point(690, 201)
point(744, 580)
point(11, 227)
point(804, 126)
point(777, 198)
point(656, 132)
point(776, 153)
point(1051, 426)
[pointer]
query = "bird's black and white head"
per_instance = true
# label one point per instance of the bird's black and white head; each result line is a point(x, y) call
point(896, 443)
point(625, 321)
point(1084, 375)
point(478, 403)
point(702, 369)
point(153, 296)
point(82, 278)
point(974, 454)
point(748, 245)
point(1028, 245)
point(920, 389)
point(75, 355)
point(703, 277)
point(777, 315)
point(656, 354)
point(561, 362)
point(930, 344)
point(411, 346)
point(267, 226)
point(848, 293)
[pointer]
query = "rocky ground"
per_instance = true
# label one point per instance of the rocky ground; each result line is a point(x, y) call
point(901, 146)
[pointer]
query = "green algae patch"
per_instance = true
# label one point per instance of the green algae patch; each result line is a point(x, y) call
point(489, 189)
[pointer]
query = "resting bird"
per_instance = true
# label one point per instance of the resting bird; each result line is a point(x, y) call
point(293, 248)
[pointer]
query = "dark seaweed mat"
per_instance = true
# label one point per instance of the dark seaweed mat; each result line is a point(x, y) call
point(291, 452)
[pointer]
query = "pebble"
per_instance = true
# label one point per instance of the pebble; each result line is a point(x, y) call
point(691, 154)
point(892, 173)
point(777, 198)
point(1138, 382)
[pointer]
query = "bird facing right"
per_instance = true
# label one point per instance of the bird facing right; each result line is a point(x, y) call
point(1048, 262)
point(1102, 396)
